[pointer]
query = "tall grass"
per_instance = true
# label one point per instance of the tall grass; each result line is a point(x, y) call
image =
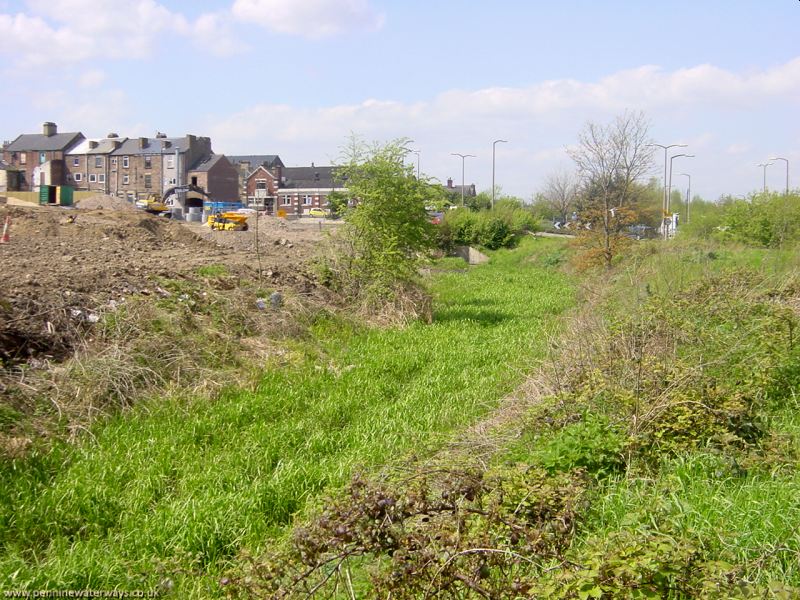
point(177, 487)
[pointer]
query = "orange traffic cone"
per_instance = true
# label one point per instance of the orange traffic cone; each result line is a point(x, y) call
point(6, 226)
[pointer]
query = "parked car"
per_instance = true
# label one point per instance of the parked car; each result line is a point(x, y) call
point(317, 212)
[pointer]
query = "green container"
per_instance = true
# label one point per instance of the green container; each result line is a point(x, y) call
point(64, 195)
point(44, 194)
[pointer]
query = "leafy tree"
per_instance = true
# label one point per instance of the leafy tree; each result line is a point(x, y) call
point(610, 160)
point(374, 259)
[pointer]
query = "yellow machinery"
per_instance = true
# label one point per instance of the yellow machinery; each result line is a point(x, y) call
point(229, 221)
point(153, 204)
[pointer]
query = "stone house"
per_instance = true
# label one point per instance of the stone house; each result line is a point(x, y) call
point(88, 164)
point(217, 176)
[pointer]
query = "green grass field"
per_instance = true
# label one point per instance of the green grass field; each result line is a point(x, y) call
point(177, 488)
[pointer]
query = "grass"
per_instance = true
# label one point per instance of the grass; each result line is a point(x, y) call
point(177, 487)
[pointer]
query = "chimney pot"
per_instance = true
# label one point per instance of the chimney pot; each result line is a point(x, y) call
point(112, 135)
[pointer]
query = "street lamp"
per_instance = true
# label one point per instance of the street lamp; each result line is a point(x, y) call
point(463, 156)
point(494, 146)
point(665, 203)
point(688, 194)
point(786, 160)
point(669, 190)
point(765, 165)
point(417, 153)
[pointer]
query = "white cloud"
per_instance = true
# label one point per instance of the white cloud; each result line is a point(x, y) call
point(92, 78)
point(737, 148)
point(538, 120)
point(72, 31)
point(310, 18)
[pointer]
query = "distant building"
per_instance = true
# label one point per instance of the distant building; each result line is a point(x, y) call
point(303, 188)
point(88, 164)
point(454, 191)
point(247, 164)
point(38, 158)
point(217, 176)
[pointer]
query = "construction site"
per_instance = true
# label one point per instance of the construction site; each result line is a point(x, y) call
point(62, 267)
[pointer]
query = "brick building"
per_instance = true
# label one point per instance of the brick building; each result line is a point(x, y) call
point(217, 176)
point(261, 189)
point(38, 158)
point(304, 188)
point(88, 164)
point(247, 164)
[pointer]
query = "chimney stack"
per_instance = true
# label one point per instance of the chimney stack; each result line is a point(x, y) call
point(112, 135)
point(142, 143)
point(160, 136)
point(92, 145)
point(450, 182)
point(49, 129)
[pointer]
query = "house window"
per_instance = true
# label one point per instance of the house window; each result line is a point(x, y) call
point(23, 158)
point(42, 157)
point(78, 176)
point(148, 181)
point(114, 162)
point(76, 162)
point(101, 178)
point(92, 178)
point(170, 162)
point(287, 201)
point(148, 162)
point(125, 180)
point(98, 161)
point(261, 184)
point(125, 162)
point(306, 200)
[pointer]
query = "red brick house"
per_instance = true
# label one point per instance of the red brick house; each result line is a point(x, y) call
point(217, 176)
point(261, 189)
point(39, 157)
point(304, 188)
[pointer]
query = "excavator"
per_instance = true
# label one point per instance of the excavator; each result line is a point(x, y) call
point(153, 204)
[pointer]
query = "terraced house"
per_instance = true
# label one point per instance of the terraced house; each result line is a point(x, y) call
point(89, 164)
point(39, 158)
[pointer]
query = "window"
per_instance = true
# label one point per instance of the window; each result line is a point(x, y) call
point(125, 180)
point(172, 181)
point(148, 162)
point(261, 184)
point(23, 158)
point(42, 157)
point(125, 162)
point(148, 181)
point(101, 178)
point(98, 161)
point(287, 201)
point(306, 200)
point(78, 176)
point(76, 162)
point(170, 162)
point(92, 178)
point(114, 162)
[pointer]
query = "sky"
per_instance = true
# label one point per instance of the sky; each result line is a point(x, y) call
point(297, 77)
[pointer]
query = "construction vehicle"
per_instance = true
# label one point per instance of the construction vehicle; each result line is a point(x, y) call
point(153, 204)
point(228, 221)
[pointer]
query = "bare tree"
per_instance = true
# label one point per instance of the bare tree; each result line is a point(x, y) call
point(560, 192)
point(610, 160)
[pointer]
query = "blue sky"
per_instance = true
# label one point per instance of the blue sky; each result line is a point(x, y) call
point(295, 77)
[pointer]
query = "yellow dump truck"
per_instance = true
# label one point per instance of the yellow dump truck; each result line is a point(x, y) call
point(228, 221)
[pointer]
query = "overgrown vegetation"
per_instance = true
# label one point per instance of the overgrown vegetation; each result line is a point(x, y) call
point(166, 495)
point(489, 228)
point(664, 465)
point(374, 259)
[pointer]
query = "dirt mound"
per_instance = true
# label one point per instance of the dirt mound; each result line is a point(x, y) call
point(62, 268)
point(102, 201)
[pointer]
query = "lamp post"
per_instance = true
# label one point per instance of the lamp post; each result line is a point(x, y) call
point(417, 152)
point(764, 166)
point(669, 187)
point(688, 194)
point(463, 156)
point(494, 146)
point(664, 205)
point(786, 160)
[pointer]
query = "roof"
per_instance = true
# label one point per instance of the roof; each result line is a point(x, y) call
point(309, 177)
point(469, 190)
point(104, 146)
point(154, 146)
point(207, 163)
point(255, 160)
point(5, 166)
point(39, 142)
